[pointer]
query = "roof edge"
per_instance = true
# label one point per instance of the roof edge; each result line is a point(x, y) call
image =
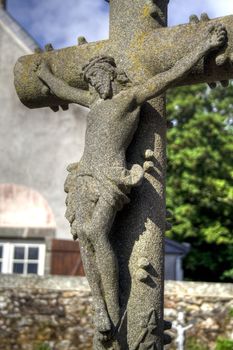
point(182, 247)
point(17, 31)
point(3, 4)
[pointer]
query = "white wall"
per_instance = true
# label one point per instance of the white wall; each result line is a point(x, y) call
point(36, 145)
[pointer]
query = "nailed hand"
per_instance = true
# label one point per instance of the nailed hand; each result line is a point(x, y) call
point(216, 36)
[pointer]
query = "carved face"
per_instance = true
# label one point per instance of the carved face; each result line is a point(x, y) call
point(101, 80)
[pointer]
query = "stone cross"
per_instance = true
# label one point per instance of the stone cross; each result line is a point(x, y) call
point(142, 48)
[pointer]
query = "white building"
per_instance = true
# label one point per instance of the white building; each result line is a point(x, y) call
point(35, 148)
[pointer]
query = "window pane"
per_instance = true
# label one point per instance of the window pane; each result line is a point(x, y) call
point(32, 268)
point(33, 253)
point(0, 266)
point(1, 251)
point(19, 253)
point(18, 268)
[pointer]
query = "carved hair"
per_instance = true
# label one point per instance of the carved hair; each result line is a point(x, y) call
point(105, 63)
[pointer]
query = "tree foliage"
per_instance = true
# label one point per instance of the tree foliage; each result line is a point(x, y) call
point(199, 178)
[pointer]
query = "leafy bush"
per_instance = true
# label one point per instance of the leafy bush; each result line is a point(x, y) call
point(224, 344)
point(231, 312)
point(42, 347)
point(193, 344)
point(199, 181)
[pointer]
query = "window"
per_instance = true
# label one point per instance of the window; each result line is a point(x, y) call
point(22, 258)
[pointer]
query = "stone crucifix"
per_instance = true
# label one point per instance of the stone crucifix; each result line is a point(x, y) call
point(116, 193)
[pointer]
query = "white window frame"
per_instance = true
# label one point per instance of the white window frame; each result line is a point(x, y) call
point(8, 256)
point(1, 258)
point(5, 256)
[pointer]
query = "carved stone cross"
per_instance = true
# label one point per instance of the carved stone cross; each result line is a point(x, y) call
point(142, 49)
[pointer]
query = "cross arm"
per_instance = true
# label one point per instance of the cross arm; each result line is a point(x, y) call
point(152, 53)
point(66, 64)
point(161, 49)
point(214, 38)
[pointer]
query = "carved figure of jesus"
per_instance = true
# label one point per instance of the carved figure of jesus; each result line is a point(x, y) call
point(98, 186)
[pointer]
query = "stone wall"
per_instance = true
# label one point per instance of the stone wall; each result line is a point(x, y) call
point(207, 308)
point(57, 311)
point(52, 310)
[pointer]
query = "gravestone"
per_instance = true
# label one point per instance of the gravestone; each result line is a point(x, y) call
point(116, 193)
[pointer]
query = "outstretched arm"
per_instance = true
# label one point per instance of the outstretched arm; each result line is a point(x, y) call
point(214, 38)
point(61, 89)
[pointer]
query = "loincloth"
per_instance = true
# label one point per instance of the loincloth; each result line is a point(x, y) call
point(108, 187)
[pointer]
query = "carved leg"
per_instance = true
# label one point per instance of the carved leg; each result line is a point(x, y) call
point(94, 218)
point(102, 221)
point(87, 196)
point(70, 188)
point(94, 279)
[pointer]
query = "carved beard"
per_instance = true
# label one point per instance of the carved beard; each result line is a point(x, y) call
point(104, 89)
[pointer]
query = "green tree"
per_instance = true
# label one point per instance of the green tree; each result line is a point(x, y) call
point(199, 179)
point(224, 344)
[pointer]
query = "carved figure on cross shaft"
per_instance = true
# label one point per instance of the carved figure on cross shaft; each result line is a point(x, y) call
point(98, 186)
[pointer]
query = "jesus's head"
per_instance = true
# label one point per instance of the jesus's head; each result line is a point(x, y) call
point(100, 72)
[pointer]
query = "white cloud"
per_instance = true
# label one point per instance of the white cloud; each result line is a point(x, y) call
point(180, 10)
point(221, 7)
point(61, 22)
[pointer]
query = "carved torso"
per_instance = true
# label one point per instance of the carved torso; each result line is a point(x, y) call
point(111, 125)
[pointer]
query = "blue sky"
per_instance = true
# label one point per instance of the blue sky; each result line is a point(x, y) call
point(61, 22)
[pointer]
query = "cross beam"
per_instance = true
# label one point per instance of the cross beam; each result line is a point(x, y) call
point(142, 47)
point(144, 54)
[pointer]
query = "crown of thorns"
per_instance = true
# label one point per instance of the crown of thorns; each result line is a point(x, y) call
point(98, 62)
